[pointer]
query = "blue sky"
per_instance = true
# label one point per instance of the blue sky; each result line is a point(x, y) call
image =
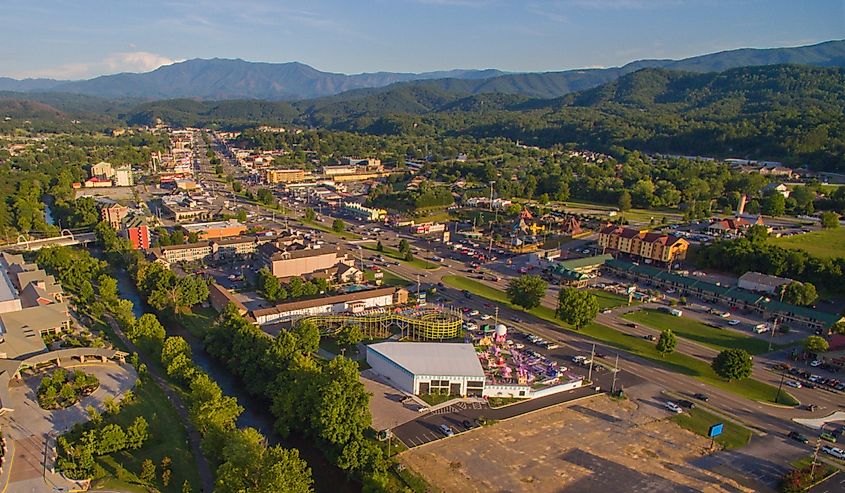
point(84, 38)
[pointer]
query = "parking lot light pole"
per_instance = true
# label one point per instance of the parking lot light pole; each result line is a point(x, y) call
point(592, 356)
point(782, 377)
point(615, 372)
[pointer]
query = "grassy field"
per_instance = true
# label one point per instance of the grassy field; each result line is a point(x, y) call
point(167, 439)
point(388, 278)
point(197, 321)
point(346, 235)
point(825, 243)
point(678, 362)
point(394, 254)
point(610, 300)
point(699, 421)
point(696, 331)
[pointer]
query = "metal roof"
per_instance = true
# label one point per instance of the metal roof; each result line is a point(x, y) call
point(445, 359)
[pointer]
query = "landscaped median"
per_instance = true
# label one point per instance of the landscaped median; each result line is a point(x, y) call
point(696, 331)
point(346, 235)
point(699, 421)
point(678, 362)
point(397, 255)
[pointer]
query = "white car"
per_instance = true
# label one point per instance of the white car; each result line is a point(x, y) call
point(486, 317)
point(673, 407)
point(733, 322)
point(815, 363)
point(793, 384)
point(833, 451)
point(474, 313)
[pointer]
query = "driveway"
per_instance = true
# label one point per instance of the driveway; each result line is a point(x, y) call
point(31, 431)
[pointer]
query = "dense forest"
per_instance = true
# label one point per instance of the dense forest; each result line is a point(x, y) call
point(787, 113)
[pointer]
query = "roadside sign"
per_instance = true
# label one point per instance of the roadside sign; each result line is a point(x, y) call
point(631, 289)
point(716, 430)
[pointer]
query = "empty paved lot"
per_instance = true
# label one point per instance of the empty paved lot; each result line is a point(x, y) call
point(591, 445)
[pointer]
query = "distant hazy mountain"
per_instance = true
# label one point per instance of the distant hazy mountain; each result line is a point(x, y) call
point(222, 79)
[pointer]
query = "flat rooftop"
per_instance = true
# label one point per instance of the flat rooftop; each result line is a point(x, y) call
point(213, 225)
point(432, 358)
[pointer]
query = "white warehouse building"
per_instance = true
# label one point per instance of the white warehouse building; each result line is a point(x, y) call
point(428, 367)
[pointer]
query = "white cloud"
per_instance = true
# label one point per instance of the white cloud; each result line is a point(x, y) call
point(123, 61)
point(135, 61)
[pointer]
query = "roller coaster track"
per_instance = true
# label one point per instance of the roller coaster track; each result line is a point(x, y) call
point(429, 324)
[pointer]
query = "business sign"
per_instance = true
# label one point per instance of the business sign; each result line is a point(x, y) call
point(716, 430)
point(631, 289)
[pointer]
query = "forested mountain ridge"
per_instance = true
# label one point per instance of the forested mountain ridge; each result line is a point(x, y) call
point(217, 79)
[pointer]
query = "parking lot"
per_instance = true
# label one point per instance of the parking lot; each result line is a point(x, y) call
point(590, 445)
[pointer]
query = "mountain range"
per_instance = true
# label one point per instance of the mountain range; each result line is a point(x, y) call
point(225, 79)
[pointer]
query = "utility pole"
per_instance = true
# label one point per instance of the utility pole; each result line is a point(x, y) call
point(592, 355)
point(491, 193)
point(816, 456)
point(777, 397)
point(615, 371)
point(496, 317)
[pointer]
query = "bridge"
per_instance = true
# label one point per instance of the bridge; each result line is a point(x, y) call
point(419, 324)
point(26, 244)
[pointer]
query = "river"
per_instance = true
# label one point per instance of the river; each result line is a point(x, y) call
point(328, 478)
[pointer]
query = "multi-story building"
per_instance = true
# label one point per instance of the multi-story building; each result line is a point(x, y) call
point(123, 176)
point(182, 208)
point(216, 229)
point(31, 305)
point(113, 213)
point(240, 246)
point(284, 263)
point(642, 244)
point(137, 231)
point(274, 176)
point(102, 170)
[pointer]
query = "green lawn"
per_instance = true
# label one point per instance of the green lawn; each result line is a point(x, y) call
point(346, 235)
point(681, 363)
point(197, 321)
point(610, 300)
point(699, 421)
point(394, 254)
point(388, 278)
point(696, 331)
point(825, 243)
point(167, 438)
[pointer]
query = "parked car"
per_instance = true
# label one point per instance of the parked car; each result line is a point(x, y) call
point(815, 363)
point(467, 424)
point(686, 404)
point(701, 397)
point(673, 407)
point(833, 451)
point(793, 384)
point(798, 437)
point(827, 436)
point(446, 430)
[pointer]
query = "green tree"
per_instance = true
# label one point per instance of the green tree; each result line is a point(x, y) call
point(816, 345)
point(379, 247)
point(249, 465)
point(757, 234)
point(137, 433)
point(186, 487)
point(800, 293)
point(350, 335)
point(526, 291)
point(624, 201)
point(165, 470)
point(838, 328)
point(666, 343)
point(265, 196)
point(732, 364)
point(338, 226)
point(830, 220)
point(308, 336)
point(112, 438)
point(576, 307)
point(147, 328)
point(774, 204)
point(148, 472)
point(404, 246)
point(310, 214)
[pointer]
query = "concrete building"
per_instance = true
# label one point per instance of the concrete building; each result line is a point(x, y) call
point(365, 213)
point(220, 298)
point(216, 229)
point(183, 208)
point(429, 367)
point(347, 303)
point(136, 230)
point(123, 176)
point(732, 297)
point(285, 263)
point(274, 176)
point(102, 170)
point(113, 214)
point(762, 283)
point(31, 304)
point(348, 169)
point(642, 244)
point(240, 246)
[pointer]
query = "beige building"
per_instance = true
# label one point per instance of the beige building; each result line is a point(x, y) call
point(284, 263)
point(649, 246)
point(113, 214)
point(354, 302)
point(123, 176)
point(239, 246)
point(274, 176)
point(102, 170)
